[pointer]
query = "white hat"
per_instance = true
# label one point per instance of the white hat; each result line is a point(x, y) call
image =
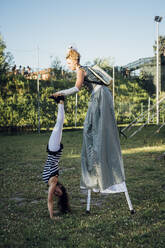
point(101, 74)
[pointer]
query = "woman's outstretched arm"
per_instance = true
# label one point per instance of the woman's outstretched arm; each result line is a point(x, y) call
point(76, 88)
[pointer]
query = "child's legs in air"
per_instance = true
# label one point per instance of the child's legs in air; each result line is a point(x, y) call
point(55, 138)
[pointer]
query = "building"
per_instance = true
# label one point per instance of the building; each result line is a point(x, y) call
point(43, 74)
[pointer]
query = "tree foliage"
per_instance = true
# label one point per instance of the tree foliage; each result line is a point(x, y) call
point(6, 59)
point(56, 69)
point(19, 102)
point(161, 46)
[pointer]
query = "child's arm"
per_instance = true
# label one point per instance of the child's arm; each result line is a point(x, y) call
point(52, 187)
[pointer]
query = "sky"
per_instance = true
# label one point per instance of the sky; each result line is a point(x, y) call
point(38, 31)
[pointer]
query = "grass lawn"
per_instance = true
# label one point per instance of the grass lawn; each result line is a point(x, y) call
point(25, 220)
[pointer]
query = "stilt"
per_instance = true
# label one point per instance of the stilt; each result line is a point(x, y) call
point(88, 201)
point(132, 211)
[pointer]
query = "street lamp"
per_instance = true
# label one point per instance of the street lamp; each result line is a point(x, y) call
point(157, 20)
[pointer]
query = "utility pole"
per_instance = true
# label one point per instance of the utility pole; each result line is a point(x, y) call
point(149, 103)
point(51, 71)
point(38, 91)
point(113, 86)
point(76, 112)
point(157, 20)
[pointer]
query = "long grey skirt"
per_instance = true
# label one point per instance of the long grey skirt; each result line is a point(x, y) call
point(101, 159)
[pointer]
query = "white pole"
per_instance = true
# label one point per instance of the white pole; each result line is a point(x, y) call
point(88, 201)
point(38, 92)
point(129, 201)
point(114, 86)
point(51, 72)
point(157, 76)
point(149, 110)
point(76, 112)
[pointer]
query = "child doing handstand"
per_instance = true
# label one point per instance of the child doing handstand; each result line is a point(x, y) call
point(51, 169)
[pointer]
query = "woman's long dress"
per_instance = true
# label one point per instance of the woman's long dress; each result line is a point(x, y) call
point(101, 160)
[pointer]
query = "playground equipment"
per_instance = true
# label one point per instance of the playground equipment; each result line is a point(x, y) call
point(140, 63)
point(157, 131)
point(141, 116)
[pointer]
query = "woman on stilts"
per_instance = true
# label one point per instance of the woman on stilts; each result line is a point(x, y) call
point(101, 160)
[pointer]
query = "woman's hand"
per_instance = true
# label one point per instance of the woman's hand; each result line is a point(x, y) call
point(56, 94)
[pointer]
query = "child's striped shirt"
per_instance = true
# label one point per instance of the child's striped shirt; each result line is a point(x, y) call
point(51, 166)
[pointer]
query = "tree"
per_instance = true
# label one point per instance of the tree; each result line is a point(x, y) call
point(104, 62)
point(6, 61)
point(56, 69)
point(161, 46)
point(2, 48)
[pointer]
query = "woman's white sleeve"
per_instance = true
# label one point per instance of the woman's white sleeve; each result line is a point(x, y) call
point(70, 91)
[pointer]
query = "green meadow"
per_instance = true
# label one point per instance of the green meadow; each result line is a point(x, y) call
point(25, 221)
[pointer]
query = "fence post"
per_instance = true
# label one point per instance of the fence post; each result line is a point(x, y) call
point(142, 109)
point(149, 110)
point(76, 112)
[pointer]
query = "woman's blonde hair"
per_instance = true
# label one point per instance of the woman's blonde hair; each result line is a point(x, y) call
point(73, 55)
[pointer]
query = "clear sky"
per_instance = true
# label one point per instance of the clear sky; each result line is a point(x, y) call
point(122, 29)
